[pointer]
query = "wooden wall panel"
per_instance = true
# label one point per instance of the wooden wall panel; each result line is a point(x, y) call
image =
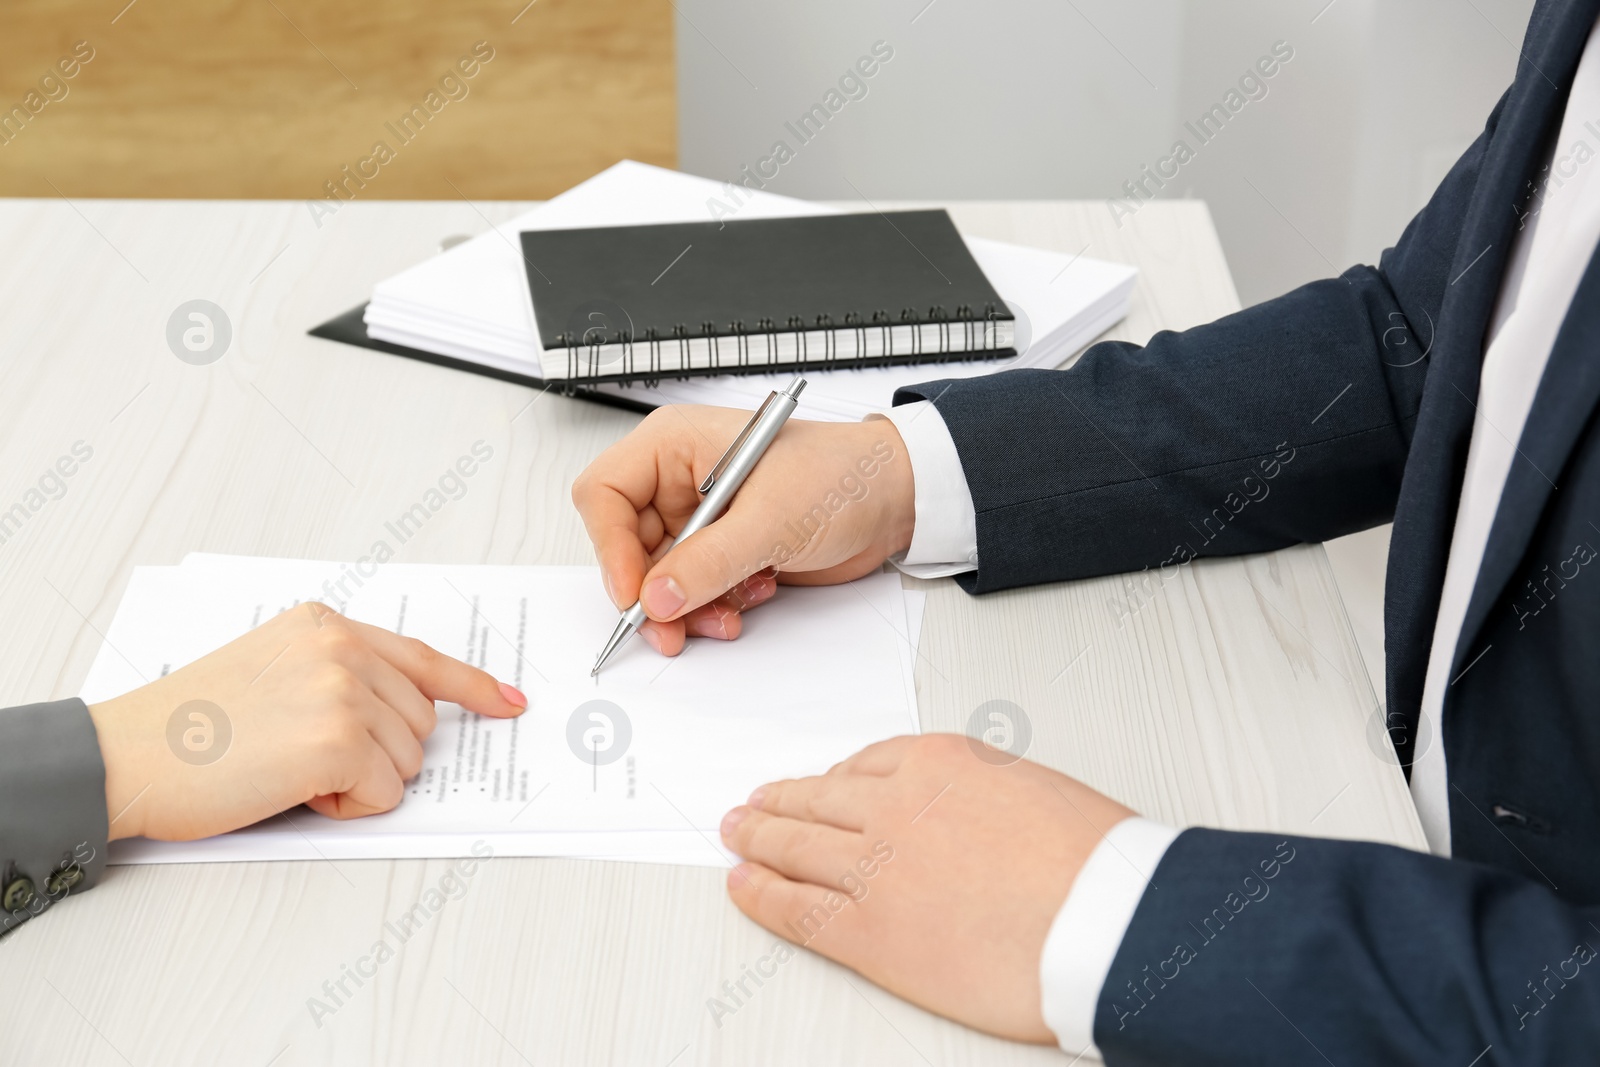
point(271, 98)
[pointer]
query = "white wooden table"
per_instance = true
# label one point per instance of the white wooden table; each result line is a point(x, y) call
point(1235, 695)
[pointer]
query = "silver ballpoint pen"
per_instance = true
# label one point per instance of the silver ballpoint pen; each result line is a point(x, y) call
point(718, 489)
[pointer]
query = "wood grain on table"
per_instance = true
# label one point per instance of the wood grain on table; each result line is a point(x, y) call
point(1231, 695)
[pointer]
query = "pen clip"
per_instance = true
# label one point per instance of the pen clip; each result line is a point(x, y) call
point(738, 442)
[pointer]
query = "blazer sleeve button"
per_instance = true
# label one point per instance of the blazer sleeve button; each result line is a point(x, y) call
point(18, 895)
point(62, 880)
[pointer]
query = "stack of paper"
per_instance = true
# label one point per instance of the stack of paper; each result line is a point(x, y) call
point(472, 302)
point(640, 764)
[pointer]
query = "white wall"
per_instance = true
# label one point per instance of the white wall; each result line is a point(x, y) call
point(1069, 98)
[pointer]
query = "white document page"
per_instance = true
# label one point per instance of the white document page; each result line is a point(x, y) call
point(639, 764)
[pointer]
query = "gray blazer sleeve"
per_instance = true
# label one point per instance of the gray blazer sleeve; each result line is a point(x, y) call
point(53, 823)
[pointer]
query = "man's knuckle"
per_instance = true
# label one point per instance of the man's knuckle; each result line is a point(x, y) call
point(337, 643)
point(756, 833)
point(808, 805)
point(792, 847)
point(310, 617)
point(339, 686)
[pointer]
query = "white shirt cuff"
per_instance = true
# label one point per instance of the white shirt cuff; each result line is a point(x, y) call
point(1088, 930)
point(944, 540)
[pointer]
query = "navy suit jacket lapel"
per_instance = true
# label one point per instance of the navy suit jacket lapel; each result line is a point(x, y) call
point(1555, 42)
point(1561, 408)
point(1432, 488)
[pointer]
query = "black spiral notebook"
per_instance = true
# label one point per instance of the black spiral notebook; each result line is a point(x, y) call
point(632, 303)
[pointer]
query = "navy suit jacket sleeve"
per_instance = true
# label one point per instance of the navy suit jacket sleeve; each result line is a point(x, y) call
point(1250, 948)
point(1286, 422)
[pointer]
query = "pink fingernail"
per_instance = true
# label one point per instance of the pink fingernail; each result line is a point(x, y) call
point(663, 597)
point(757, 797)
point(651, 637)
point(513, 696)
point(731, 821)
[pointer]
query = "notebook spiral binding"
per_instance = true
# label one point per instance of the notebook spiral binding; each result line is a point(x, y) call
point(599, 356)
